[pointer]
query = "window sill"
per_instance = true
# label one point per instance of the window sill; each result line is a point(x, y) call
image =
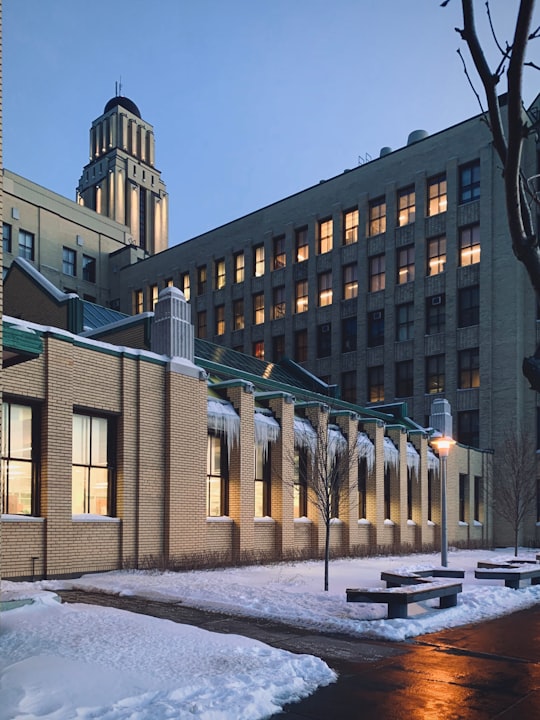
point(21, 518)
point(363, 521)
point(94, 518)
point(265, 519)
point(219, 519)
point(303, 520)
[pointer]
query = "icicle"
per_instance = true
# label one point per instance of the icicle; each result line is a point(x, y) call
point(304, 435)
point(413, 458)
point(266, 430)
point(366, 449)
point(336, 443)
point(223, 418)
point(432, 460)
point(391, 453)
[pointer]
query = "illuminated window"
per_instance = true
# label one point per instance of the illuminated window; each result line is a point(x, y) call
point(405, 265)
point(220, 274)
point(324, 283)
point(92, 492)
point(376, 383)
point(350, 281)
point(239, 267)
point(435, 314)
point(26, 245)
point(278, 302)
point(238, 314)
point(406, 206)
point(469, 306)
point(435, 374)
point(220, 319)
point(469, 368)
point(216, 477)
point(258, 350)
point(348, 386)
point(258, 308)
point(279, 252)
point(405, 321)
point(169, 283)
point(301, 296)
point(301, 346)
point(154, 296)
point(19, 468)
point(325, 236)
point(404, 379)
point(375, 328)
point(469, 182)
point(436, 255)
point(201, 280)
point(89, 268)
point(6, 237)
point(185, 285)
point(469, 245)
point(301, 243)
point(350, 227)
point(202, 329)
point(324, 340)
point(262, 481)
point(349, 334)
point(377, 273)
point(138, 302)
point(258, 261)
point(436, 190)
point(300, 482)
point(377, 216)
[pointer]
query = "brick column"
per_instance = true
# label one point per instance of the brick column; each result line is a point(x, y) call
point(282, 482)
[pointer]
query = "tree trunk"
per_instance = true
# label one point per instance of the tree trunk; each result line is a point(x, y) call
point(326, 554)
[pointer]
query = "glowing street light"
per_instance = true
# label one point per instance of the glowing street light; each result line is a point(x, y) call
point(441, 421)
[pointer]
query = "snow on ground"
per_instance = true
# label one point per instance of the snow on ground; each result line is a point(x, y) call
point(79, 661)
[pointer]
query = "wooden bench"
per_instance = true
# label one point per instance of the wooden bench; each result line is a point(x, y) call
point(494, 565)
point(419, 576)
point(512, 576)
point(399, 598)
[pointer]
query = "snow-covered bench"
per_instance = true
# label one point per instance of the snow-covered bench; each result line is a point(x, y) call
point(419, 576)
point(511, 575)
point(399, 598)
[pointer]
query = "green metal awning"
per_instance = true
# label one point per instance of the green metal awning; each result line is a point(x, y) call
point(19, 345)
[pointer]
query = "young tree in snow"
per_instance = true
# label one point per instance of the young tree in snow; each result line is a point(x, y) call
point(508, 139)
point(514, 480)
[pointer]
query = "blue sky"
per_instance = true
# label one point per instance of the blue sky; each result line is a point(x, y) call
point(251, 100)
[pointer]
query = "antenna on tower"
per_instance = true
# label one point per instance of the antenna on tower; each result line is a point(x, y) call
point(115, 88)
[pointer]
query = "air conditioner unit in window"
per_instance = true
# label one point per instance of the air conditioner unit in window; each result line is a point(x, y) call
point(325, 328)
point(377, 315)
point(436, 300)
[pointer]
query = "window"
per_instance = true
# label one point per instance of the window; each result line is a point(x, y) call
point(469, 428)
point(404, 379)
point(238, 314)
point(89, 268)
point(469, 368)
point(216, 477)
point(463, 492)
point(258, 349)
point(350, 281)
point(278, 348)
point(436, 255)
point(350, 227)
point(301, 346)
point(324, 340)
point(154, 296)
point(239, 267)
point(469, 182)
point(69, 261)
point(362, 487)
point(376, 383)
point(435, 374)
point(478, 499)
point(469, 245)
point(375, 328)
point(324, 295)
point(325, 236)
point(169, 283)
point(377, 274)
point(258, 308)
point(220, 319)
point(348, 386)
point(435, 314)
point(138, 302)
point(301, 243)
point(185, 285)
point(262, 481)
point(26, 245)
point(300, 482)
point(430, 484)
point(405, 322)
point(258, 261)
point(201, 324)
point(406, 206)
point(301, 296)
point(18, 460)
point(405, 265)
point(437, 200)
point(219, 279)
point(201, 280)
point(377, 216)
point(278, 302)
point(6, 238)
point(387, 491)
point(92, 491)
point(280, 259)
point(348, 334)
point(469, 306)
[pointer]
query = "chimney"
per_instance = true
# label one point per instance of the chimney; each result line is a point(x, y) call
point(172, 332)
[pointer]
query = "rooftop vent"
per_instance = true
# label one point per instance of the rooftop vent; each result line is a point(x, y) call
point(385, 151)
point(417, 135)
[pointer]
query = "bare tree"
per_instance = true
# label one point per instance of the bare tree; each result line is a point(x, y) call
point(514, 479)
point(508, 141)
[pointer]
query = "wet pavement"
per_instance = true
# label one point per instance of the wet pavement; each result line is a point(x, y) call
point(477, 672)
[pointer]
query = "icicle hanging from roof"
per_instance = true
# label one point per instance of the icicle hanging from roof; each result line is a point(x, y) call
point(304, 435)
point(391, 453)
point(224, 419)
point(336, 443)
point(413, 458)
point(432, 460)
point(366, 449)
point(266, 429)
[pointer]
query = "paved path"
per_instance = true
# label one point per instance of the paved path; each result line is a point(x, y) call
point(479, 672)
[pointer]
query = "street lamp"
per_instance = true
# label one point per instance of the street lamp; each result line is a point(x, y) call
point(441, 421)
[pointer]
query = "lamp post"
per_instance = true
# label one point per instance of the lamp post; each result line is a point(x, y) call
point(441, 421)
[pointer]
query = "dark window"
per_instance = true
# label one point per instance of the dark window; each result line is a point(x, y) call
point(376, 383)
point(348, 386)
point(279, 252)
point(301, 346)
point(6, 237)
point(478, 499)
point(469, 306)
point(93, 465)
point(278, 348)
point(348, 334)
point(469, 368)
point(142, 218)
point(377, 273)
point(262, 481)
point(404, 379)
point(435, 314)
point(201, 280)
point(469, 182)
point(258, 309)
point(69, 259)
point(405, 265)
point(26, 245)
point(362, 487)
point(469, 427)
point(405, 322)
point(201, 324)
point(19, 467)
point(387, 494)
point(375, 328)
point(238, 314)
point(278, 302)
point(138, 301)
point(324, 340)
point(300, 482)
point(431, 480)
point(89, 268)
point(463, 492)
point(220, 319)
point(301, 241)
point(435, 374)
